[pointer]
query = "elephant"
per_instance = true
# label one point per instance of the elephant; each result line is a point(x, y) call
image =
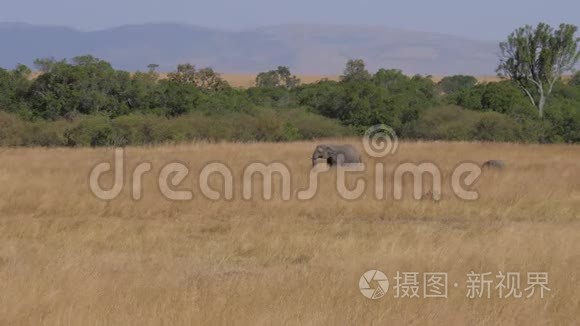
point(494, 164)
point(336, 154)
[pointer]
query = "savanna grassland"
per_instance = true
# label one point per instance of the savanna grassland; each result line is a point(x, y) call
point(69, 258)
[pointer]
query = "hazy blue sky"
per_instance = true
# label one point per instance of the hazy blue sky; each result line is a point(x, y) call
point(481, 19)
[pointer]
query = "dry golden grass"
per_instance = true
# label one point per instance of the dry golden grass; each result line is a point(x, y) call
point(69, 258)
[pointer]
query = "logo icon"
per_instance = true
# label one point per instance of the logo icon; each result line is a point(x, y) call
point(373, 284)
point(380, 141)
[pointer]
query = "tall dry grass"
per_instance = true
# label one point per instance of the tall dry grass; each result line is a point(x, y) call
point(69, 258)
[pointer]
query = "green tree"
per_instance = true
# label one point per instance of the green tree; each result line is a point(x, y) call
point(454, 84)
point(152, 67)
point(503, 97)
point(185, 74)
point(536, 58)
point(14, 85)
point(175, 98)
point(391, 79)
point(355, 70)
point(575, 81)
point(85, 86)
point(206, 79)
point(281, 77)
point(45, 65)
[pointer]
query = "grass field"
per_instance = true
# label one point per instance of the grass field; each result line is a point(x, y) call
point(69, 258)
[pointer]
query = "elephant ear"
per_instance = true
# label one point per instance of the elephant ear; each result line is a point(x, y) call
point(328, 149)
point(319, 150)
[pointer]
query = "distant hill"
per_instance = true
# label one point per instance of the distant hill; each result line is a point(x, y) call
point(307, 49)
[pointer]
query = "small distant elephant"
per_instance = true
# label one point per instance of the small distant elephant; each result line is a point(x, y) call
point(336, 154)
point(493, 164)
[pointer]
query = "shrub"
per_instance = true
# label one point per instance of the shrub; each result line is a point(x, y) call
point(454, 84)
point(91, 131)
point(447, 122)
point(455, 123)
point(575, 80)
point(12, 130)
point(493, 126)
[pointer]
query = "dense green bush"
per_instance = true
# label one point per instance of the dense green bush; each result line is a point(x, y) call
point(12, 130)
point(575, 80)
point(456, 123)
point(85, 102)
point(141, 129)
point(492, 126)
point(447, 122)
point(454, 84)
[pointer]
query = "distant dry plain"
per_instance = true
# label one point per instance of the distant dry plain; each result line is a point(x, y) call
point(68, 258)
point(249, 80)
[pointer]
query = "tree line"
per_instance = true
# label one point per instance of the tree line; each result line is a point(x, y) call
point(86, 102)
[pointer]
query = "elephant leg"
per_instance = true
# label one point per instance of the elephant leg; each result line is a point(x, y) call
point(331, 161)
point(339, 159)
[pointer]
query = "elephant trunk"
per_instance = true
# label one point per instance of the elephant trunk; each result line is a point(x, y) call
point(314, 160)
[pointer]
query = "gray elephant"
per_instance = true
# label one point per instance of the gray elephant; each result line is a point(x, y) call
point(493, 164)
point(336, 154)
